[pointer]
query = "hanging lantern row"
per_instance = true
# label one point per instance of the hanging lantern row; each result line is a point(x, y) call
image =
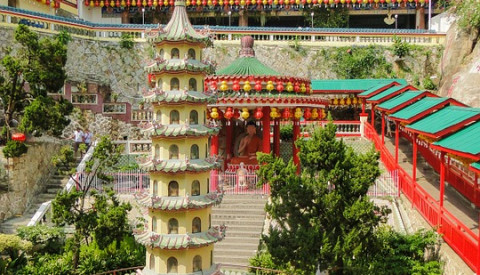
point(345, 101)
point(241, 3)
point(285, 114)
point(258, 86)
point(51, 3)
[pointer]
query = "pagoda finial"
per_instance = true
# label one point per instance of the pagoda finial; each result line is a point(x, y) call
point(247, 47)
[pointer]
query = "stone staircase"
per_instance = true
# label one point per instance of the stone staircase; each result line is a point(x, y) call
point(55, 184)
point(244, 216)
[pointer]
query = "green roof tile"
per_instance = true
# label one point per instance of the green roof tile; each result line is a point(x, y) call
point(176, 96)
point(181, 241)
point(179, 203)
point(190, 65)
point(388, 92)
point(443, 119)
point(418, 107)
point(247, 66)
point(352, 84)
point(476, 165)
point(176, 165)
point(399, 100)
point(466, 140)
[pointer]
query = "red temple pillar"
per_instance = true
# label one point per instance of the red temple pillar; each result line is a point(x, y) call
point(266, 130)
point(397, 137)
point(442, 178)
point(228, 146)
point(414, 172)
point(383, 127)
point(276, 137)
point(296, 134)
point(214, 145)
point(363, 105)
point(373, 115)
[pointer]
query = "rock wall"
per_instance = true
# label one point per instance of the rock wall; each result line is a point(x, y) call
point(27, 176)
point(459, 68)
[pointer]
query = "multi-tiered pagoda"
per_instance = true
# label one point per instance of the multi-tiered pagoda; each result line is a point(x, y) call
point(179, 237)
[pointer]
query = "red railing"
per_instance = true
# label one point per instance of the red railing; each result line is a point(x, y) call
point(460, 238)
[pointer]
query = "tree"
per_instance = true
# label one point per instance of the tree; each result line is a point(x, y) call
point(322, 217)
point(29, 73)
point(327, 18)
point(12, 253)
point(106, 218)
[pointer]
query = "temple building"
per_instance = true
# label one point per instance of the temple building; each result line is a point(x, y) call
point(178, 234)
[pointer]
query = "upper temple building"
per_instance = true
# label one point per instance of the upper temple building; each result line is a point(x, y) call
point(384, 14)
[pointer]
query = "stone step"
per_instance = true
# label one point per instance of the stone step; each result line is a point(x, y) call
point(240, 222)
point(244, 246)
point(45, 197)
point(236, 217)
point(249, 211)
point(237, 252)
point(230, 259)
point(240, 240)
point(255, 235)
point(240, 206)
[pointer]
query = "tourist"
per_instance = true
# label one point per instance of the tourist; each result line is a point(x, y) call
point(77, 139)
point(87, 138)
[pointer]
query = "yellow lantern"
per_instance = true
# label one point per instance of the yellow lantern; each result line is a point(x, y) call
point(342, 101)
point(231, 2)
point(112, 3)
point(123, 3)
point(388, 1)
point(210, 3)
point(323, 114)
point(314, 113)
point(247, 87)
point(275, 2)
point(245, 114)
point(224, 86)
point(265, 2)
point(133, 3)
point(214, 114)
point(309, 1)
point(274, 113)
point(297, 2)
point(289, 87)
point(330, 2)
point(349, 101)
point(155, 3)
point(335, 101)
point(298, 113)
point(303, 89)
point(220, 3)
point(354, 1)
point(242, 3)
point(44, 1)
point(365, 1)
point(270, 86)
point(92, 4)
point(342, 1)
point(103, 4)
point(144, 3)
point(355, 101)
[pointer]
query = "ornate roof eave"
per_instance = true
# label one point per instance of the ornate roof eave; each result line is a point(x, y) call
point(179, 65)
point(272, 100)
point(181, 241)
point(176, 165)
point(156, 96)
point(178, 130)
point(179, 203)
point(263, 78)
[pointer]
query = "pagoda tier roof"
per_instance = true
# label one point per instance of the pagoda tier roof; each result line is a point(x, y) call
point(274, 99)
point(401, 100)
point(247, 66)
point(179, 203)
point(419, 109)
point(178, 29)
point(177, 165)
point(464, 142)
point(475, 167)
point(445, 120)
point(389, 93)
point(381, 86)
point(181, 241)
point(175, 65)
point(176, 96)
point(177, 130)
point(352, 85)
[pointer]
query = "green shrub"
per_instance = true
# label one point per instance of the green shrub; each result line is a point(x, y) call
point(360, 62)
point(126, 41)
point(286, 132)
point(468, 12)
point(428, 84)
point(400, 48)
point(45, 239)
point(14, 149)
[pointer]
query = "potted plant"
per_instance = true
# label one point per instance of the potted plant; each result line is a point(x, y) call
point(114, 97)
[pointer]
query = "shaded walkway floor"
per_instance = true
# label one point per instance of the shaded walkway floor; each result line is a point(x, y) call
point(429, 180)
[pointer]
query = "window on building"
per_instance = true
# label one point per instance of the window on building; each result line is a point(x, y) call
point(154, 224)
point(157, 151)
point(197, 263)
point(173, 152)
point(191, 53)
point(161, 54)
point(172, 226)
point(174, 84)
point(175, 53)
point(174, 117)
point(158, 117)
point(155, 188)
point(152, 262)
point(173, 189)
point(194, 152)
point(192, 84)
point(193, 117)
point(160, 84)
point(195, 188)
point(196, 225)
point(172, 265)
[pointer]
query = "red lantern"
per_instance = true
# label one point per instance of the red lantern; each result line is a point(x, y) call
point(20, 137)
point(325, 1)
point(118, 3)
point(315, 2)
point(308, 89)
point(139, 3)
point(258, 113)
point(149, 3)
point(280, 87)
point(236, 86)
point(97, 3)
point(258, 85)
point(281, 2)
point(204, 2)
point(228, 113)
point(248, 2)
point(307, 114)
point(237, 2)
point(87, 3)
point(214, 2)
point(296, 88)
point(236, 114)
point(286, 113)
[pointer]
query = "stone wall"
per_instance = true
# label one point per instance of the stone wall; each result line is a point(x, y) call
point(27, 176)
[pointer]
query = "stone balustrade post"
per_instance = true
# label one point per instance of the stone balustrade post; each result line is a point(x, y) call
point(363, 120)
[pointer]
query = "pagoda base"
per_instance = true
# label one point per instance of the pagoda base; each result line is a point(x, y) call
point(213, 270)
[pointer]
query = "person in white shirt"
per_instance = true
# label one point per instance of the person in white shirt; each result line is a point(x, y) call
point(77, 140)
point(87, 138)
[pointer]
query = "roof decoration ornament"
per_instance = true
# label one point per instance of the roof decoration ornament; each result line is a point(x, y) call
point(247, 47)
